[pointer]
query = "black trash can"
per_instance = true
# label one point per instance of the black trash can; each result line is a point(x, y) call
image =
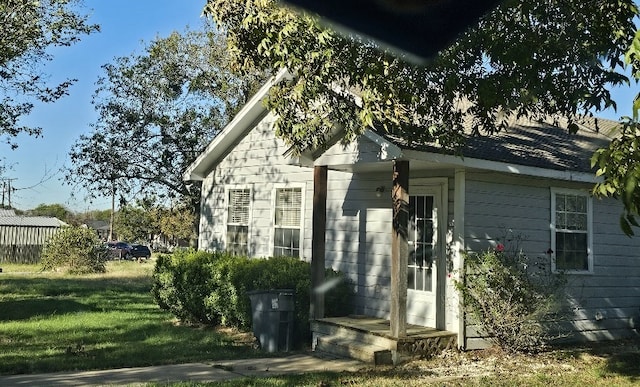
point(273, 318)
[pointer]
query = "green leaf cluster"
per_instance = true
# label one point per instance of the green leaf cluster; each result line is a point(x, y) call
point(514, 300)
point(619, 167)
point(538, 59)
point(75, 250)
point(212, 288)
point(157, 111)
point(28, 30)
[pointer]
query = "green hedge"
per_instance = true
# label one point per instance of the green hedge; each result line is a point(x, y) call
point(212, 288)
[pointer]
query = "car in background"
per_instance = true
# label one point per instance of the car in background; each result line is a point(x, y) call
point(119, 250)
point(140, 251)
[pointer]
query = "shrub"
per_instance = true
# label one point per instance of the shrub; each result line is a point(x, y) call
point(212, 288)
point(76, 250)
point(515, 299)
point(238, 275)
point(181, 283)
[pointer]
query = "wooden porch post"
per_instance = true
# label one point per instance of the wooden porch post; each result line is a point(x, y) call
point(318, 237)
point(399, 248)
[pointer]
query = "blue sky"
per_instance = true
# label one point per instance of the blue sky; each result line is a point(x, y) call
point(125, 25)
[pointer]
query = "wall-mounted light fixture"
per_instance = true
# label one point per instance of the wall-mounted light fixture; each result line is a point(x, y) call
point(379, 190)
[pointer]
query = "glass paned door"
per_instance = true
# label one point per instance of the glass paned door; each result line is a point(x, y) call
point(422, 261)
point(421, 239)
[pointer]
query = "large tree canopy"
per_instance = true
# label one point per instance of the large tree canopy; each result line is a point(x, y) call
point(27, 30)
point(539, 59)
point(619, 164)
point(157, 112)
point(535, 58)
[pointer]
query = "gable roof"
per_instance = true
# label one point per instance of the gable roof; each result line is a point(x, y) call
point(525, 147)
point(533, 144)
point(250, 112)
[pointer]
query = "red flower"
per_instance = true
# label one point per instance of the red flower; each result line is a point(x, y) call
point(500, 247)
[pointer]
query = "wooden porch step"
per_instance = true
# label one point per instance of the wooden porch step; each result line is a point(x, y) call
point(367, 353)
point(368, 339)
point(322, 328)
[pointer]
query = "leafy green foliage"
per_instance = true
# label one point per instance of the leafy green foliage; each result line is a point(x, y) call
point(618, 164)
point(144, 219)
point(540, 59)
point(156, 113)
point(182, 281)
point(177, 223)
point(137, 223)
point(54, 210)
point(212, 288)
point(28, 30)
point(513, 298)
point(76, 250)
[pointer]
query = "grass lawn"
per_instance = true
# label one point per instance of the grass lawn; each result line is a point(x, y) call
point(609, 364)
point(54, 322)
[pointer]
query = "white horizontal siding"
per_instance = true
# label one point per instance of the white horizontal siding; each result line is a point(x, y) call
point(495, 203)
point(255, 162)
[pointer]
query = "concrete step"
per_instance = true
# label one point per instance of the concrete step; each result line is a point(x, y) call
point(367, 353)
point(351, 334)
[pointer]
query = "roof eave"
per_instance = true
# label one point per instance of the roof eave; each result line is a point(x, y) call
point(498, 166)
point(203, 164)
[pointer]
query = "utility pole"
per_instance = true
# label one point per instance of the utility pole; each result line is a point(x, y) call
point(6, 190)
point(113, 208)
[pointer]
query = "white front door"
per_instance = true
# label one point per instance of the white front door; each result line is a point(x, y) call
point(424, 256)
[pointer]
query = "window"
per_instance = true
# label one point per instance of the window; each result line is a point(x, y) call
point(571, 230)
point(421, 238)
point(238, 204)
point(287, 223)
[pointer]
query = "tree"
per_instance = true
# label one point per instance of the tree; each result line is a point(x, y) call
point(157, 111)
point(28, 29)
point(177, 223)
point(540, 59)
point(138, 222)
point(619, 163)
point(54, 210)
point(76, 250)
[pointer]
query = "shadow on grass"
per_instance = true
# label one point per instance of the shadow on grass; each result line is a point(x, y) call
point(625, 364)
point(26, 309)
point(152, 343)
point(97, 323)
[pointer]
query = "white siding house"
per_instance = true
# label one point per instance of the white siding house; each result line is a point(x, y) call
point(533, 179)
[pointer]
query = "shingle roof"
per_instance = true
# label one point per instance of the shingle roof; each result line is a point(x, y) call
point(535, 144)
point(31, 221)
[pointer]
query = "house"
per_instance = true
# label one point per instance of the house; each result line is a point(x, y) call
point(334, 208)
point(22, 238)
point(101, 227)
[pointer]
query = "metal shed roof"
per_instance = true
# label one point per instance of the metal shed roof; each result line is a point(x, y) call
point(31, 221)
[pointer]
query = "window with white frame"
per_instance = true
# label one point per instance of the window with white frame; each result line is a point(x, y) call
point(287, 222)
point(238, 207)
point(571, 229)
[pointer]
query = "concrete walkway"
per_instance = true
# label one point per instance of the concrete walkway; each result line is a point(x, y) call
point(196, 372)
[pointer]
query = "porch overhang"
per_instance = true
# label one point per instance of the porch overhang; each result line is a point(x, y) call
point(359, 157)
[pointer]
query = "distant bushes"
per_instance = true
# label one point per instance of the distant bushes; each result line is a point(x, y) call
point(212, 288)
point(76, 250)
